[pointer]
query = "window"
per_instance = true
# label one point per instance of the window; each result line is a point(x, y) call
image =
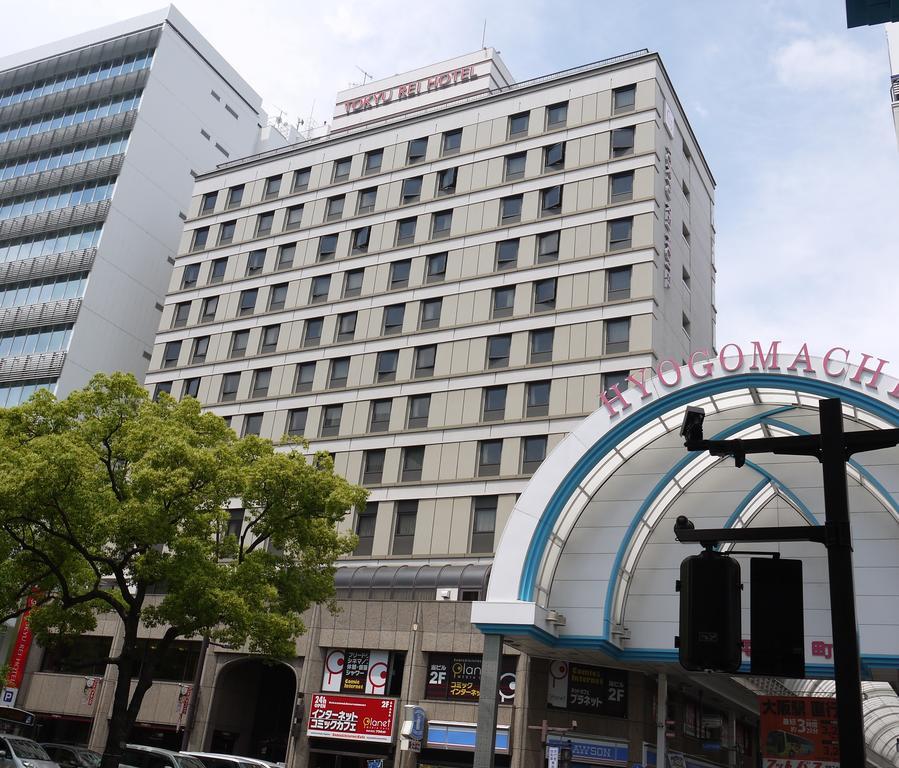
point(441, 222)
point(230, 383)
point(327, 247)
point(686, 191)
point(286, 254)
point(191, 387)
point(340, 370)
point(255, 262)
point(623, 141)
point(417, 150)
point(235, 196)
point(312, 332)
point(498, 351)
point(367, 198)
point(190, 275)
point(413, 461)
point(200, 237)
point(503, 301)
point(208, 309)
point(277, 297)
point(533, 452)
point(494, 406)
point(545, 295)
point(182, 310)
point(554, 157)
point(452, 142)
point(618, 335)
point(430, 313)
point(425, 357)
point(404, 527)
point(379, 419)
point(373, 160)
point(361, 238)
point(373, 467)
point(200, 348)
point(551, 201)
point(247, 302)
point(294, 217)
point(365, 528)
point(399, 273)
point(208, 203)
point(405, 231)
point(419, 407)
point(621, 187)
point(446, 182)
point(537, 398)
point(623, 99)
point(162, 386)
point(170, 354)
point(226, 232)
point(411, 190)
point(393, 319)
point(685, 276)
point(331, 415)
point(252, 424)
point(557, 115)
point(510, 209)
point(515, 165)
point(304, 378)
point(541, 345)
point(685, 323)
point(386, 365)
point(615, 379)
point(342, 169)
point(346, 326)
point(239, 340)
point(518, 124)
point(685, 232)
point(435, 269)
point(335, 208)
point(217, 270)
point(490, 453)
point(483, 524)
point(620, 233)
point(264, 223)
point(296, 422)
point(272, 187)
point(269, 340)
point(352, 283)
point(686, 149)
point(618, 284)
point(301, 179)
point(507, 254)
point(547, 247)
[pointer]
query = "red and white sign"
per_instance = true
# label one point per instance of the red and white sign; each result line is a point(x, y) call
point(799, 732)
point(20, 649)
point(354, 718)
point(411, 89)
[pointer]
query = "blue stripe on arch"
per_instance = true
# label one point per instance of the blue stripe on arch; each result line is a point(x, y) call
point(645, 415)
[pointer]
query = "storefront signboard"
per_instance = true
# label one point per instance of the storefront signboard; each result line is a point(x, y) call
point(798, 731)
point(457, 677)
point(354, 718)
point(582, 688)
point(592, 751)
point(356, 671)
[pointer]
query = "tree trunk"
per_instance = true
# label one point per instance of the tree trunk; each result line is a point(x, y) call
point(119, 724)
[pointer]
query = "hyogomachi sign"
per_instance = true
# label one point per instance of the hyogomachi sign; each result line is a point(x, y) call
point(838, 363)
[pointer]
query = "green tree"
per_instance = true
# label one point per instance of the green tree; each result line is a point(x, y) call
point(110, 502)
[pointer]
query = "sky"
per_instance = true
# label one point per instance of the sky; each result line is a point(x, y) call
point(791, 109)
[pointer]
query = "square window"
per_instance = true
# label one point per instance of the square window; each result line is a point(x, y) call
point(430, 313)
point(623, 99)
point(379, 419)
point(510, 209)
point(620, 233)
point(327, 247)
point(411, 190)
point(190, 275)
point(365, 528)
point(435, 268)
point(518, 124)
point(533, 452)
point(352, 283)
point(261, 380)
point(618, 284)
point(441, 223)
point(503, 301)
point(277, 297)
point(547, 247)
point(494, 407)
point(217, 271)
point(413, 462)
point(386, 365)
point(331, 415)
point(367, 198)
point(340, 370)
point(269, 340)
point(554, 157)
point(551, 201)
point(545, 295)
point(515, 165)
point(373, 160)
point(623, 141)
point(294, 217)
point(490, 454)
point(301, 179)
point(226, 232)
point(170, 354)
point(373, 467)
point(342, 169)
point(541, 345)
point(272, 187)
point(399, 273)
point(312, 332)
point(208, 203)
point(239, 341)
point(346, 326)
point(405, 231)
point(200, 348)
point(235, 196)
point(296, 422)
point(452, 142)
point(417, 150)
point(446, 182)
point(393, 319)
point(230, 383)
point(621, 187)
point(615, 379)
point(264, 223)
point(557, 115)
point(247, 302)
point(361, 239)
point(182, 310)
point(255, 262)
point(419, 408)
point(618, 335)
point(304, 378)
point(191, 387)
point(507, 254)
point(201, 236)
point(286, 255)
point(425, 357)
point(208, 310)
point(498, 351)
point(483, 524)
point(404, 528)
point(335, 208)
point(537, 399)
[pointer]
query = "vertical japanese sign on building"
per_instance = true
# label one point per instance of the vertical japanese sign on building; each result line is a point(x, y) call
point(18, 656)
point(799, 731)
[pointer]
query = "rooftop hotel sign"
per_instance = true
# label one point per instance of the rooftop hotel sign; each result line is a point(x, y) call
point(838, 363)
point(411, 89)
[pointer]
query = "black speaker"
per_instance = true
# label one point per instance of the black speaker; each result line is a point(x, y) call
point(777, 630)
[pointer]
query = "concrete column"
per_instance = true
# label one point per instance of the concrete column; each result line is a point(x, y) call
point(734, 759)
point(308, 682)
point(485, 740)
point(661, 716)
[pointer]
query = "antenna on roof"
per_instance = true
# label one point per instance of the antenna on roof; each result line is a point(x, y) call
point(484, 35)
point(365, 75)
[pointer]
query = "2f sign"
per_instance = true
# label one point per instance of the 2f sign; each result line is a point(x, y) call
point(616, 694)
point(437, 677)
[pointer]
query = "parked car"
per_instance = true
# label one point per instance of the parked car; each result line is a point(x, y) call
point(70, 756)
point(218, 760)
point(139, 756)
point(19, 752)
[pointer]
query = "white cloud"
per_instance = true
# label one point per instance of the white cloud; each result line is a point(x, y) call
point(826, 62)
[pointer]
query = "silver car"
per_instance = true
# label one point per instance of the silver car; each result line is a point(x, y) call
point(19, 752)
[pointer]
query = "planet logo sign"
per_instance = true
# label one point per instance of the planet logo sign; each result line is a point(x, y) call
point(452, 677)
point(582, 688)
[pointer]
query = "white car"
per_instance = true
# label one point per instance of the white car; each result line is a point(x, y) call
point(218, 760)
point(19, 752)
